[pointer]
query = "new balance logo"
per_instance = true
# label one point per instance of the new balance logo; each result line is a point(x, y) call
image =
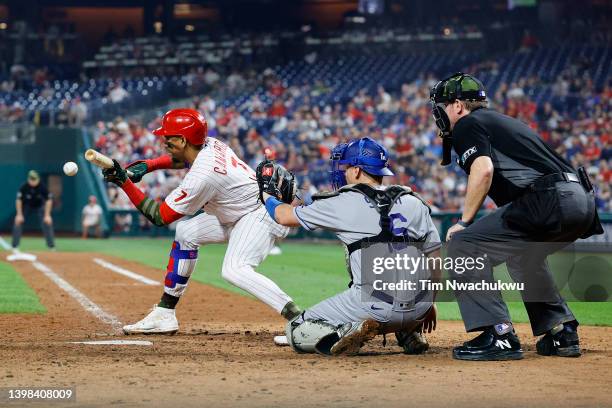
point(502, 344)
point(556, 343)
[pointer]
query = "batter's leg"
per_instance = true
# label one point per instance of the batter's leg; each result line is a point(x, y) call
point(190, 235)
point(250, 241)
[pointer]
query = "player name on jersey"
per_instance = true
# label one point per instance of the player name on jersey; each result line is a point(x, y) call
point(218, 182)
point(220, 150)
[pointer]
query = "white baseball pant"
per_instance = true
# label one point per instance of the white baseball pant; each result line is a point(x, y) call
point(249, 240)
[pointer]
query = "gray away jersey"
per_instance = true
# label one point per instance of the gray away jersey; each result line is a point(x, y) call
point(351, 216)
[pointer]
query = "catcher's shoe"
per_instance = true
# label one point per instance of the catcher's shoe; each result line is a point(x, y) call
point(159, 321)
point(412, 342)
point(353, 336)
point(564, 342)
point(489, 345)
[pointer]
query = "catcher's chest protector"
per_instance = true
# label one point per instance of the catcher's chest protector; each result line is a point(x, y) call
point(383, 201)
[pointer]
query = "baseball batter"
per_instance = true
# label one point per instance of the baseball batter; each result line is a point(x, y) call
point(222, 185)
point(356, 212)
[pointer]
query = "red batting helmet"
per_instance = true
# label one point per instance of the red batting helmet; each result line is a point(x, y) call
point(188, 123)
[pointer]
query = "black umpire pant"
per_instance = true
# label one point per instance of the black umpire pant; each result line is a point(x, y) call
point(557, 215)
point(47, 229)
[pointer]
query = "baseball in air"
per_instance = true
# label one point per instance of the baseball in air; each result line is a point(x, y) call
point(70, 168)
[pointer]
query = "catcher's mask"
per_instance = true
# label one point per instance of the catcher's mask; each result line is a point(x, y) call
point(458, 86)
point(365, 153)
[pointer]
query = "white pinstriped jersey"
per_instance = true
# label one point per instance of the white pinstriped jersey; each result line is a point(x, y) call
point(219, 182)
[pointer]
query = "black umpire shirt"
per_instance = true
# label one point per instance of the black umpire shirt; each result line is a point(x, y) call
point(33, 197)
point(518, 153)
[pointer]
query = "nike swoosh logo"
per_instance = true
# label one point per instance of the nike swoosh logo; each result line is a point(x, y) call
point(375, 308)
point(179, 198)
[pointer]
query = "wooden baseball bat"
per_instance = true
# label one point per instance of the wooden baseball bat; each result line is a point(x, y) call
point(101, 160)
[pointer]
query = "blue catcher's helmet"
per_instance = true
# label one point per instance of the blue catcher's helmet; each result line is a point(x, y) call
point(365, 153)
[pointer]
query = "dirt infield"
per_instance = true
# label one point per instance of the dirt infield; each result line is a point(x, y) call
point(224, 355)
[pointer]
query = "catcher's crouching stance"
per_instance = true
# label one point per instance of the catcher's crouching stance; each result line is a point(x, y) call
point(357, 212)
point(226, 189)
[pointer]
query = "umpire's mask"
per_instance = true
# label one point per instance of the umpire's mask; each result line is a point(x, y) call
point(457, 86)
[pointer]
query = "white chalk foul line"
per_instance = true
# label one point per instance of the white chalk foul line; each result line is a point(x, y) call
point(115, 342)
point(16, 254)
point(125, 272)
point(5, 244)
point(83, 300)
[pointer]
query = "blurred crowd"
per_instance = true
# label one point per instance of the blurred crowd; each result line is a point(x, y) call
point(36, 96)
point(286, 126)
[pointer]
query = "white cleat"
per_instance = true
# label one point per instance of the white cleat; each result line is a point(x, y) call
point(159, 321)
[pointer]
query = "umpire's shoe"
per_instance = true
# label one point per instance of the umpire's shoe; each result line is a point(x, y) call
point(497, 342)
point(159, 321)
point(561, 341)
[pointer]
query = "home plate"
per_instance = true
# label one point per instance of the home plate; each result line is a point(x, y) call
point(115, 342)
point(281, 341)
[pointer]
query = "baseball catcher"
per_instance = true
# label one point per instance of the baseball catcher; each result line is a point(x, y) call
point(360, 210)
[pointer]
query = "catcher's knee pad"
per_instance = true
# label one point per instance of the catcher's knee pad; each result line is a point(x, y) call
point(311, 336)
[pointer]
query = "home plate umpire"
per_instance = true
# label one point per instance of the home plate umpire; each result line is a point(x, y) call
point(541, 199)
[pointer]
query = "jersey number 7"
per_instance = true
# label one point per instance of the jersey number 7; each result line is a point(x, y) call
point(236, 162)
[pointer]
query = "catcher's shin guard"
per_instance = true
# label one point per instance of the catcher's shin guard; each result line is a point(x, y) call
point(311, 336)
point(319, 336)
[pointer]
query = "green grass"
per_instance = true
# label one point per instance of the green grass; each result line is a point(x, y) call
point(15, 294)
point(307, 272)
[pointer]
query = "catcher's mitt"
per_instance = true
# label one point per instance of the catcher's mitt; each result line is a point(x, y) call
point(275, 180)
